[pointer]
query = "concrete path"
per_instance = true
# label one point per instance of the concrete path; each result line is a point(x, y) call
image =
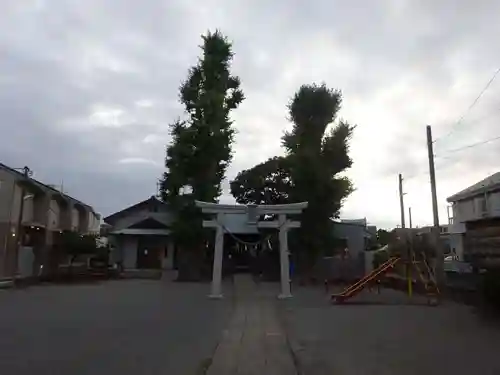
point(254, 342)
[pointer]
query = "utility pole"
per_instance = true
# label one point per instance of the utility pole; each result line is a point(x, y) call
point(19, 228)
point(410, 256)
point(409, 217)
point(401, 203)
point(435, 213)
point(405, 235)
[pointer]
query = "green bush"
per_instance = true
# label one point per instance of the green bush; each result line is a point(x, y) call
point(380, 257)
point(73, 244)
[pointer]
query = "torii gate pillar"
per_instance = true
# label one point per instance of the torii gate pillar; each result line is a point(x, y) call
point(253, 211)
point(284, 259)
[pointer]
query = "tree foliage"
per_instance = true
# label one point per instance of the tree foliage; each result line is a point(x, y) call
point(200, 150)
point(383, 237)
point(74, 244)
point(317, 151)
point(317, 154)
point(266, 183)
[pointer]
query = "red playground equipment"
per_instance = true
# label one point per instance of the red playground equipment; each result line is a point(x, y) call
point(373, 276)
point(426, 276)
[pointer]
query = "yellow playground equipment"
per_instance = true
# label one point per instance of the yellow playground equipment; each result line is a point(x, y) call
point(423, 269)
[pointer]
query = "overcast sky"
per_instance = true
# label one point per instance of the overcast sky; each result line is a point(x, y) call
point(88, 88)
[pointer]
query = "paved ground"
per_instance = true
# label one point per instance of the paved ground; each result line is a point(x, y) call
point(383, 334)
point(254, 342)
point(119, 327)
point(160, 327)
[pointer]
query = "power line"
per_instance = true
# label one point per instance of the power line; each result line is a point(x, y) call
point(439, 167)
point(426, 172)
point(476, 100)
point(469, 146)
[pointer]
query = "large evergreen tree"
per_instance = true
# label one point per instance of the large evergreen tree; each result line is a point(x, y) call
point(317, 150)
point(200, 149)
point(317, 147)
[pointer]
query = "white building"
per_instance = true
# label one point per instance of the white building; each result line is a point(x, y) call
point(475, 220)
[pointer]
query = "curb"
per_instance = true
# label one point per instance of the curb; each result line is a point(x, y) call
point(6, 284)
point(140, 275)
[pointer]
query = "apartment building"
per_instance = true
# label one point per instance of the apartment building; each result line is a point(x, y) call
point(475, 220)
point(46, 213)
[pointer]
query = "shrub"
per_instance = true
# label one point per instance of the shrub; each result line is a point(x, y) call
point(380, 257)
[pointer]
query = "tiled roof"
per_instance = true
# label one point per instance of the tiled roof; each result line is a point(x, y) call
point(151, 200)
point(488, 184)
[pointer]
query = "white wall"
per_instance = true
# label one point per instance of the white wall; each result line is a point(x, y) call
point(54, 216)
point(355, 236)
point(472, 209)
point(75, 219)
point(494, 203)
point(28, 206)
point(27, 210)
point(15, 205)
point(94, 224)
point(129, 252)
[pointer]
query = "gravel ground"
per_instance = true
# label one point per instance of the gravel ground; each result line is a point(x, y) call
point(116, 327)
point(387, 334)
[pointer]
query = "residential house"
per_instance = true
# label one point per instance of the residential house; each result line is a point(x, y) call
point(355, 234)
point(444, 235)
point(46, 213)
point(348, 262)
point(475, 220)
point(140, 235)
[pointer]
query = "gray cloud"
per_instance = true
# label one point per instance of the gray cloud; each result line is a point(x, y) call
point(87, 89)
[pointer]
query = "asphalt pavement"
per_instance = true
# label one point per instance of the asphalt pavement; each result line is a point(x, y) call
point(115, 327)
point(389, 334)
point(161, 327)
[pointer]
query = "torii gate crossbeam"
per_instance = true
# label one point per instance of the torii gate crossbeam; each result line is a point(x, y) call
point(282, 224)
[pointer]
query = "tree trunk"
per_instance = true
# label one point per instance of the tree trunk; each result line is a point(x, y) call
point(190, 264)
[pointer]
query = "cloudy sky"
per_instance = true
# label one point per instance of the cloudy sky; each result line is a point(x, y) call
point(88, 88)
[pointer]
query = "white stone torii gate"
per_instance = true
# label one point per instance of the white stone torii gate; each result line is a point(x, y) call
point(253, 212)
